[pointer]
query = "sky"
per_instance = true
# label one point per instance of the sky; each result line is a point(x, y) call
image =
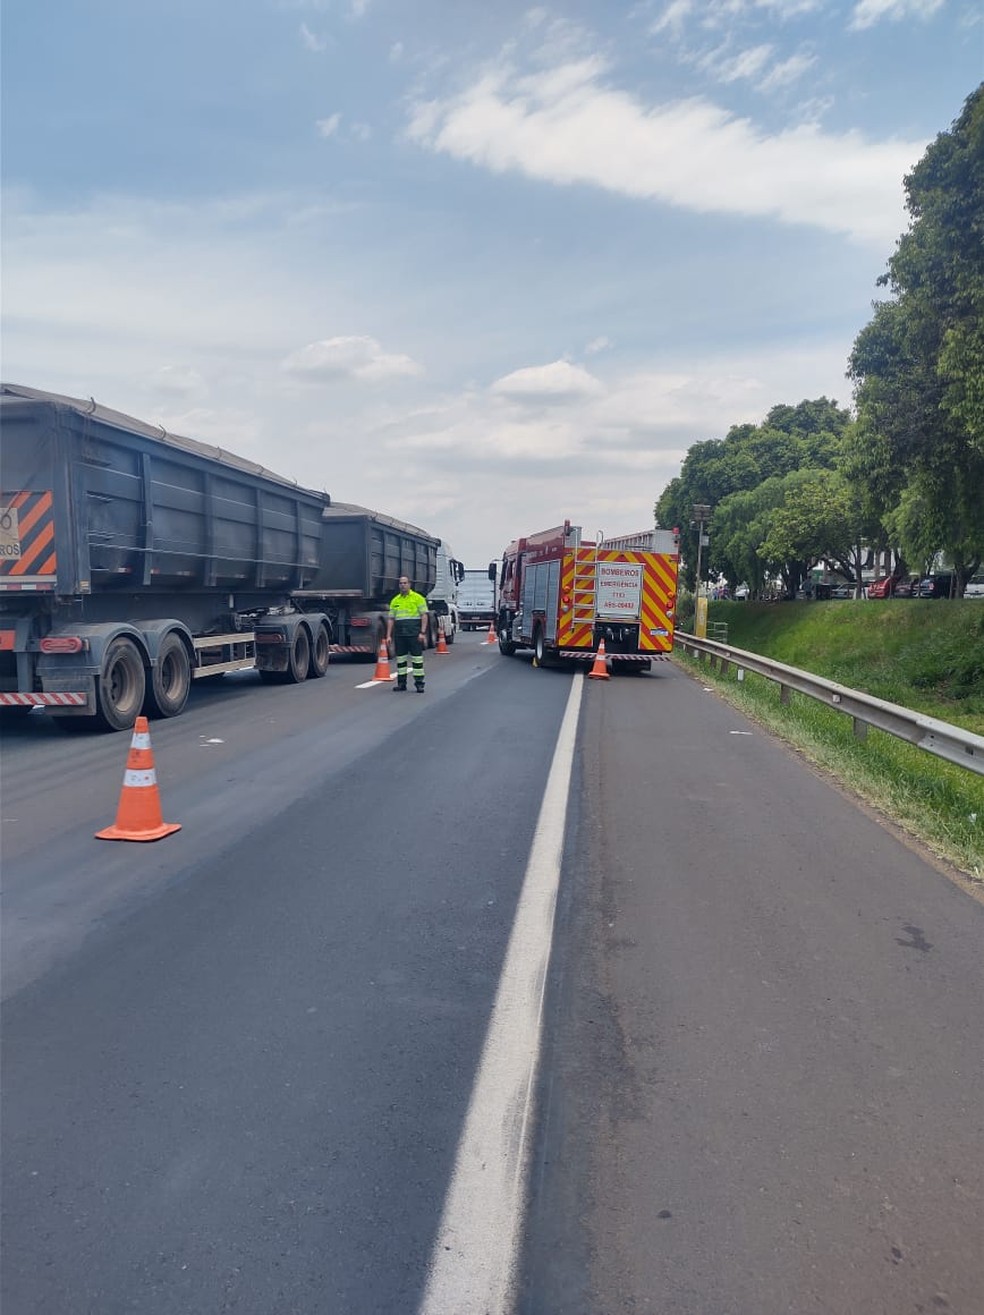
point(483, 267)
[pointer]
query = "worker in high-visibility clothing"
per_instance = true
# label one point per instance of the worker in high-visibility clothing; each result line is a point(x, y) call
point(406, 628)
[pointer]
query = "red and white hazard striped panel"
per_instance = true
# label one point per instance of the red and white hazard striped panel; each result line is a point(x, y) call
point(42, 700)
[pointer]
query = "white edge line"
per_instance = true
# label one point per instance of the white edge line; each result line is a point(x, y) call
point(472, 1268)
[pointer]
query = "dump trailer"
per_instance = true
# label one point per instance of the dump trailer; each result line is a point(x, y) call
point(561, 595)
point(134, 561)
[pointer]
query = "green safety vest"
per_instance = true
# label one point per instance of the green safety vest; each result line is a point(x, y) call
point(406, 611)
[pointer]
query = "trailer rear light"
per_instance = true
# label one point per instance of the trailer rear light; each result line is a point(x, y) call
point(361, 621)
point(62, 644)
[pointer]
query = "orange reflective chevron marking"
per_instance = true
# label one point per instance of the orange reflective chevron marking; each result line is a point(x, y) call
point(35, 533)
point(30, 519)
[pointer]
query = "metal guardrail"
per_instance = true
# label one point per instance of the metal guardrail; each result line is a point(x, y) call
point(953, 743)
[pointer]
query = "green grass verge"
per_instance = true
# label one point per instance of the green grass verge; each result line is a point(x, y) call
point(926, 655)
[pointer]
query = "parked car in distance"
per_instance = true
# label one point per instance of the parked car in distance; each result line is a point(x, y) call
point(975, 587)
point(906, 588)
point(935, 586)
point(841, 591)
point(883, 588)
point(741, 592)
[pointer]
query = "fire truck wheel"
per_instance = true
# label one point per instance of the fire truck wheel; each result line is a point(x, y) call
point(506, 647)
point(540, 655)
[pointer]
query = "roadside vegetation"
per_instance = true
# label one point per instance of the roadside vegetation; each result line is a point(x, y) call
point(897, 484)
point(925, 655)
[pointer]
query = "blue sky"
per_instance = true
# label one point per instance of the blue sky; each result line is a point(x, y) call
point(480, 266)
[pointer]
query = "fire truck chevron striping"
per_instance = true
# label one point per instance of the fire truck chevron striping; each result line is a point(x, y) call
point(560, 595)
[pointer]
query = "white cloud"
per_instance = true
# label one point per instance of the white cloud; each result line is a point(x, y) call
point(312, 41)
point(673, 17)
point(566, 124)
point(747, 64)
point(786, 72)
point(396, 52)
point(361, 132)
point(869, 12)
point(359, 8)
point(359, 358)
point(328, 127)
point(557, 382)
point(599, 344)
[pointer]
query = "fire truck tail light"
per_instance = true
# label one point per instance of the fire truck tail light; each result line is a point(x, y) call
point(361, 621)
point(62, 644)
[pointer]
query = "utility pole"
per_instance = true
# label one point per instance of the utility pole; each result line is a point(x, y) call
point(702, 514)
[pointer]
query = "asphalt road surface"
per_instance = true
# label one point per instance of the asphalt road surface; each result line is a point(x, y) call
point(237, 1062)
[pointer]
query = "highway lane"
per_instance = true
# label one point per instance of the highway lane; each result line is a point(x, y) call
point(243, 1089)
point(240, 754)
point(763, 1085)
point(237, 1063)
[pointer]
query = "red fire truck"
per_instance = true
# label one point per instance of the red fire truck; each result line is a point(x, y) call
point(561, 594)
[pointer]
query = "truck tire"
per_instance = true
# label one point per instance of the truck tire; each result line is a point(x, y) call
point(121, 687)
point(320, 652)
point(506, 646)
point(300, 657)
point(170, 680)
point(540, 658)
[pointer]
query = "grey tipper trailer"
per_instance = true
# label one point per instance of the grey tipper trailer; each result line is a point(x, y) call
point(133, 561)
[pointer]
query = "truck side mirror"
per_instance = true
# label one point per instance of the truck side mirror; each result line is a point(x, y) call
point(493, 571)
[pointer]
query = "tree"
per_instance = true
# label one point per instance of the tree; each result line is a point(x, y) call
point(820, 519)
point(918, 366)
point(748, 457)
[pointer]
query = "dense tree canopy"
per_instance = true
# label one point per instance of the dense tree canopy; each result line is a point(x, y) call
point(906, 477)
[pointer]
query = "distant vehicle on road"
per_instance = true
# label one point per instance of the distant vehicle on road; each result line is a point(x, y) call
point(841, 591)
point(975, 587)
point(476, 599)
point(741, 592)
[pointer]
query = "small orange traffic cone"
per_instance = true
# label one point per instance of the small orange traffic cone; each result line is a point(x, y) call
point(491, 637)
point(442, 643)
point(139, 814)
point(600, 669)
point(382, 671)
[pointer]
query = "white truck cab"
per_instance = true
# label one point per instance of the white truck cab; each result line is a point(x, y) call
point(442, 601)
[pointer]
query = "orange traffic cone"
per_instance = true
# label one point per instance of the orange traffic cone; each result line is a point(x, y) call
point(491, 637)
point(442, 644)
point(600, 669)
point(382, 671)
point(139, 814)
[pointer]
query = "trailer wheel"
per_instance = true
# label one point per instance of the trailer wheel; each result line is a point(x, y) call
point(320, 652)
point(300, 657)
point(170, 680)
point(122, 686)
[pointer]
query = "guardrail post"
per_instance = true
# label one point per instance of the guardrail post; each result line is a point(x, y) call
point(860, 729)
point(783, 693)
